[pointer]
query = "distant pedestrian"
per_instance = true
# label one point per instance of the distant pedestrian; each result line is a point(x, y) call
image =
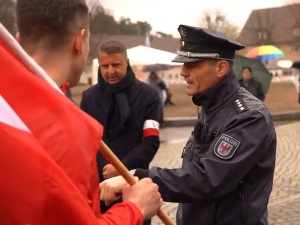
point(251, 85)
point(169, 98)
point(160, 86)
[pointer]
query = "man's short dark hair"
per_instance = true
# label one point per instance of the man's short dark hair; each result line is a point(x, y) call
point(214, 61)
point(54, 20)
point(112, 47)
point(248, 68)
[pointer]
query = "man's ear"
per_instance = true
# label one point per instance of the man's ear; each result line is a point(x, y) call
point(18, 37)
point(78, 43)
point(222, 67)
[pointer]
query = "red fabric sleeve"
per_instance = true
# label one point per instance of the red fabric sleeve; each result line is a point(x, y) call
point(125, 213)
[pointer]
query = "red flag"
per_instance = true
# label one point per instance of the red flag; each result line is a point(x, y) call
point(68, 135)
point(34, 190)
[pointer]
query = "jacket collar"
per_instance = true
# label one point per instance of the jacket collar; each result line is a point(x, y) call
point(219, 94)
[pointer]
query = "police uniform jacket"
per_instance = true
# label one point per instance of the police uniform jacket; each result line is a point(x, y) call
point(134, 150)
point(228, 180)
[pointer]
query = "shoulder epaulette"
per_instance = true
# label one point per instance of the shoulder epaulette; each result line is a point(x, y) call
point(240, 105)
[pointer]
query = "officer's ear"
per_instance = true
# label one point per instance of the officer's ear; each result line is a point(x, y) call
point(222, 68)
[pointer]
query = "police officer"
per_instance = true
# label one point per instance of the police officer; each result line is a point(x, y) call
point(228, 162)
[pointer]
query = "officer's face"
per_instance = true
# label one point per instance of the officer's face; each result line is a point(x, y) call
point(201, 76)
point(113, 67)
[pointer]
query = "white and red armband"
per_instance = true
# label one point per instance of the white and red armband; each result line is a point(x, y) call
point(151, 128)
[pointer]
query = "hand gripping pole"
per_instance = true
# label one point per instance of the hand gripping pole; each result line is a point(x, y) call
point(112, 158)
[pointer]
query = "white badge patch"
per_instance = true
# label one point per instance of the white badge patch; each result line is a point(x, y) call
point(151, 124)
point(226, 146)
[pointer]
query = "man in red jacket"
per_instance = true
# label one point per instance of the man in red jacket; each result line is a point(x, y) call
point(55, 34)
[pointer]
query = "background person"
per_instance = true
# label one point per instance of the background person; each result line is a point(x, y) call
point(128, 109)
point(160, 86)
point(251, 85)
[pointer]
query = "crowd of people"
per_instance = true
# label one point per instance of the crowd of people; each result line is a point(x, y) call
point(227, 164)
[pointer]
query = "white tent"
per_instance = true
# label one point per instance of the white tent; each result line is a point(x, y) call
point(143, 55)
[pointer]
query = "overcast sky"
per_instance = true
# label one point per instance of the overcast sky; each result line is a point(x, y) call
point(166, 15)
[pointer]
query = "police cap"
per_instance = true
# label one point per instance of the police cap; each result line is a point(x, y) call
point(199, 43)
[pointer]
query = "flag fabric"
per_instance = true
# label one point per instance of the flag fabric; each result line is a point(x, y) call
point(43, 129)
point(147, 40)
point(33, 189)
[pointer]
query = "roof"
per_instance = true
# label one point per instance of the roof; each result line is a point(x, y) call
point(278, 22)
point(163, 43)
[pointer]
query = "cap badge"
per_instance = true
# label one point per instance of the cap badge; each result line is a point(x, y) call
point(182, 32)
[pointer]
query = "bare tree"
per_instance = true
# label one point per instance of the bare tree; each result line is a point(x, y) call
point(216, 20)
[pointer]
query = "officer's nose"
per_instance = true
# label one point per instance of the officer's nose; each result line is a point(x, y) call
point(184, 71)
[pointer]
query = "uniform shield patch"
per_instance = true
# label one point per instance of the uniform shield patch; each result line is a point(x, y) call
point(226, 146)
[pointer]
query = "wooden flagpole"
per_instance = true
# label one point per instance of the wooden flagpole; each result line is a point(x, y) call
point(123, 171)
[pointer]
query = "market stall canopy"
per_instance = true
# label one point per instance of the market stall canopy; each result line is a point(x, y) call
point(143, 55)
point(259, 71)
point(285, 64)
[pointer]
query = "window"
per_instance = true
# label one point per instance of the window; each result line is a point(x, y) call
point(262, 35)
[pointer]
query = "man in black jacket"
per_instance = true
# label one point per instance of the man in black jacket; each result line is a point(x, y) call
point(128, 109)
point(228, 163)
point(250, 84)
